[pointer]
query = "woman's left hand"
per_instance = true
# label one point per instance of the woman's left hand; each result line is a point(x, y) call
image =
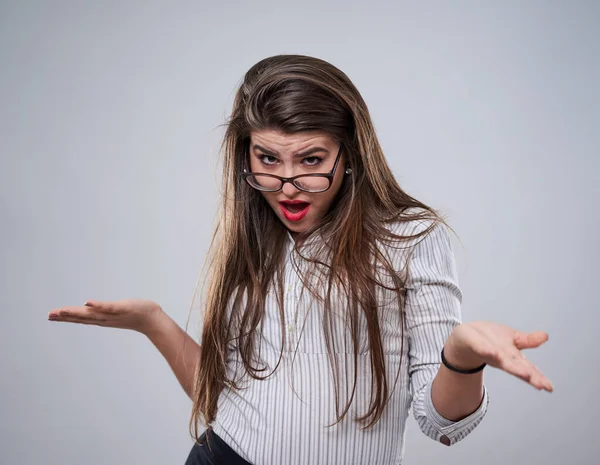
point(499, 346)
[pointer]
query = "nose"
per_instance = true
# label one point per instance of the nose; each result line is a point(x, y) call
point(289, 189)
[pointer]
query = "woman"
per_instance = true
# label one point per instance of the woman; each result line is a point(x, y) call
point(333, 303)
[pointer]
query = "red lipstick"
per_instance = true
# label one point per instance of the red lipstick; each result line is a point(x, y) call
point(294, 210)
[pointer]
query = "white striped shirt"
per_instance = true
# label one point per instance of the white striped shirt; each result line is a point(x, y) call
point(283, 420)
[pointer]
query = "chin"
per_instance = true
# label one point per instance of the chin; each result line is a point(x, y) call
point(297, 228)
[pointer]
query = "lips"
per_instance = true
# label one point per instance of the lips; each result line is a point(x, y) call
point(294, 210)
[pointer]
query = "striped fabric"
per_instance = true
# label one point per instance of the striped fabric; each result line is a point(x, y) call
point(288, 418)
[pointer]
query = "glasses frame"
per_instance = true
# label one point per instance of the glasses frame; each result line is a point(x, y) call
point(329, 176)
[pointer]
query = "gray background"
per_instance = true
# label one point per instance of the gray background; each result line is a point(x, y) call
point(109, 132)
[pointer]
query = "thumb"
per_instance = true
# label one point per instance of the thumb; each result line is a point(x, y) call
point(530, 340)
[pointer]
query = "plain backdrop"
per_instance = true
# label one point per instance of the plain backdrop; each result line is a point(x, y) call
point(111, 118)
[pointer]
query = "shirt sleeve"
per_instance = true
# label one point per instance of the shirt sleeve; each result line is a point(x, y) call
point(432, 310)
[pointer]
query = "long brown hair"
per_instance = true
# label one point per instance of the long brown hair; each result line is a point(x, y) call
point(293, 93)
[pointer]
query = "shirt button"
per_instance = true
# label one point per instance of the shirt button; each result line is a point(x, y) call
point(445, 440)
point(291, 328)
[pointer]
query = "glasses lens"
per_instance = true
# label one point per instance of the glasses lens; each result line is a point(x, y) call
point(312, 183)
point(264, 183)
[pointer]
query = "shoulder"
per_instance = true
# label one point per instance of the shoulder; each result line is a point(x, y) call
point(415, 224)
point(419, 236)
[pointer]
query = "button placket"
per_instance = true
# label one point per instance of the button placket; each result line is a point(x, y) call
point(291, 306)
point(289, 309)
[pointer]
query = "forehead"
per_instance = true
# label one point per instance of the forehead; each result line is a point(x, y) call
point(283, 142)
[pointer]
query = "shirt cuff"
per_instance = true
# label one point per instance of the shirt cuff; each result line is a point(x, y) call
point(450, 432)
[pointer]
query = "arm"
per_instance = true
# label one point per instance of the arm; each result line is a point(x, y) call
point(449, 405)
point(454, 395)
point(147, 317)
point(446, 405)
point(181, 352)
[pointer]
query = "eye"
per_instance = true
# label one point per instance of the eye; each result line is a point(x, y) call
point(313, 161)
point(267, 160)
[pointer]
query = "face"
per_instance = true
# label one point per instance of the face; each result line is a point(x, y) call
point(288, 155)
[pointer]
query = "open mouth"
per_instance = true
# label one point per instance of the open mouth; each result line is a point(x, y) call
point(295, 207)
point(294, 211)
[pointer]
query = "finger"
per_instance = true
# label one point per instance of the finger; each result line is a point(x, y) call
point(541, 380)
point(530, 340)
point(516, 365)
point(79, 312)
point(53, 314)
point(58, 312)
point(105, 306)
point(513, 363)
point(80, 320)
point(94, 303)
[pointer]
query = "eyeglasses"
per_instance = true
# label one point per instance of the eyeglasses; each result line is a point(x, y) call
point(313, 183)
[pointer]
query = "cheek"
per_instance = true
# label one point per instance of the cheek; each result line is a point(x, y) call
point(270, 197)
point(324, 201)
point(333, 192)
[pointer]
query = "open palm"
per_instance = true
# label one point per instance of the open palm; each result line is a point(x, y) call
point(501, 347)
point(134, 314)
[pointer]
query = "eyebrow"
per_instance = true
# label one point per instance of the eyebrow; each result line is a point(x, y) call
point(297, 155)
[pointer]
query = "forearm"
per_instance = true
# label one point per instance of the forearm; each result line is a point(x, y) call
point(455, 395)
point(177, 347)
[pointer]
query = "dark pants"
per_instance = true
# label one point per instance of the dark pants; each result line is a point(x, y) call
point(212, 450)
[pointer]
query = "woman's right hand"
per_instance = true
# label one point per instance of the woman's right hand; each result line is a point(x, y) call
point(137, 314)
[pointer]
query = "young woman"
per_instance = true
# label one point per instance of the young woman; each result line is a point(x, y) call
point(333, 304)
